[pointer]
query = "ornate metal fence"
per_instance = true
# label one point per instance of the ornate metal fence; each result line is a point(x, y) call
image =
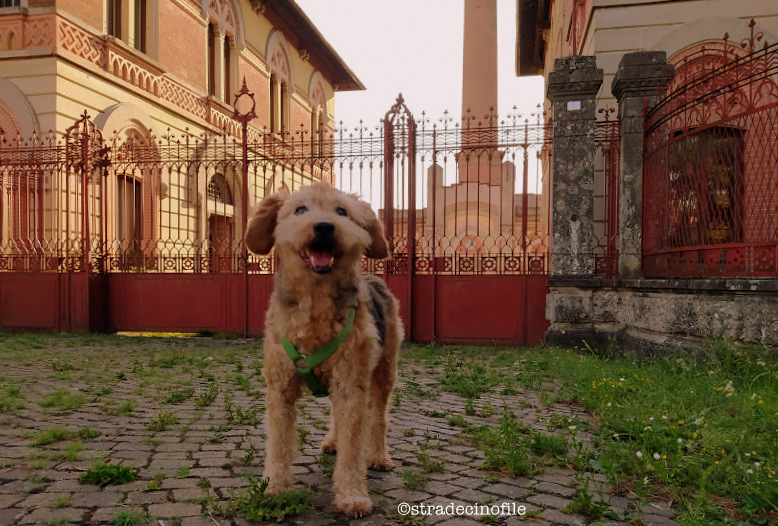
point(468, 198)
point(711, 165)
point(128, 229)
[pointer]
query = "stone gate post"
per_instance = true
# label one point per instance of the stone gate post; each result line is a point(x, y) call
point(572, 88)
point(642, 78)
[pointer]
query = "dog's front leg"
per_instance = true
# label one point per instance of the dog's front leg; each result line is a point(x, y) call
point(349, 480)
point(282, 393)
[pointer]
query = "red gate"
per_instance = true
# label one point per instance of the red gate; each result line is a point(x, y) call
point(468, 236)
point(137, 232)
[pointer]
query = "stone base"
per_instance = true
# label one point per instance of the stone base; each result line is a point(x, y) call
point(660, 315)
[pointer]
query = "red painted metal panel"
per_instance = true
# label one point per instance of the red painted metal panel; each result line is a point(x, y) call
point(537, 324)
point(398, 284)
point(423, 309)
point(260, 287)
point(29, 301)
point(170, 302)
point(482, 309)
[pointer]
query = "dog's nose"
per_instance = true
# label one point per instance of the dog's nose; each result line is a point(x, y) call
point(323, 228)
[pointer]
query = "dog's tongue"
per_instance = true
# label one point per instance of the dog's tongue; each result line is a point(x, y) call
point(320, 259)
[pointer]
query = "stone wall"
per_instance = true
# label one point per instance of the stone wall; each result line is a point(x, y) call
point(661, 315)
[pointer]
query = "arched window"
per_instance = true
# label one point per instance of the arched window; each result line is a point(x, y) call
point(318, 101)
point(222, 50)
point(280, 84)
point(219, 191)
point(129, 21)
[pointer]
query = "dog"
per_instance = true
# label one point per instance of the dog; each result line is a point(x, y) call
point(320, 235)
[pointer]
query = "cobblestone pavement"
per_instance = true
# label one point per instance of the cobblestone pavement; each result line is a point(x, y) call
point(126, 387)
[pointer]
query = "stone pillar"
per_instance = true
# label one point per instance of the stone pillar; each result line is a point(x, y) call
point(642, 78)
point(572, 88)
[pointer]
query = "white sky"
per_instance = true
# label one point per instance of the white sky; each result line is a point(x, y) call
point(414, 47)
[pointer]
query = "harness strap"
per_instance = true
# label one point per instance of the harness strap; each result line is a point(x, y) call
point(312, 360)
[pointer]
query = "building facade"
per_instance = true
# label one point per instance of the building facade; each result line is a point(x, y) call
point(153, 83)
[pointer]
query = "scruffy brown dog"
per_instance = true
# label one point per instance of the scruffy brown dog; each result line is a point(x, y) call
point(321, 234)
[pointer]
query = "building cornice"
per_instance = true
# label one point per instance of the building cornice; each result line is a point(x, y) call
point(302, 34)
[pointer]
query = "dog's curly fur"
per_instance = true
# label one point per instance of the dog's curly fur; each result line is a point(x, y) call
point(320, 235)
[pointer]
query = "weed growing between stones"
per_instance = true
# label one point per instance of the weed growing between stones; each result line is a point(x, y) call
point(162, 422)
point(50, 436)
point(11, 399)
point(254, 505)
point(62, 400)
point(130, 518)
point(413, 479)
point(102, 474)
point(326, 463)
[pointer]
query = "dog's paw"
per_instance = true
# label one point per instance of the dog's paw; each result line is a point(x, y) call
point(354, 507)
point(274, 488)
point(328, 447)
point(381, 463)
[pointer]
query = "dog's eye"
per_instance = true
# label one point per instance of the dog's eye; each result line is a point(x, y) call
point(300, 210)
point(341, 211)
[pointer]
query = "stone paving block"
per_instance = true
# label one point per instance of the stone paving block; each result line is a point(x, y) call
point(215, 461)
point(139, 498)
point(187, 494)
point(96, 499)
point(174, 509)
point(203, 521)
point(657, 520)
point(177, 483)
point(8, 516)
point(557, 517)
point(103, 515)
point(8, 501)
point(558, 489)
point(408, 495)
point(472, 496)
point(549, 501)
point(505, 490)
point(51, 515)
point(468, 482)
point(230, 482)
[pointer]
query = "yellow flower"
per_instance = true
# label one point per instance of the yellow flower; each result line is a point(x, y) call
point(760, 402)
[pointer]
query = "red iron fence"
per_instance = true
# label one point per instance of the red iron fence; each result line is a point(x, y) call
point(606, 194)
point(139, 232)
point(711, 165)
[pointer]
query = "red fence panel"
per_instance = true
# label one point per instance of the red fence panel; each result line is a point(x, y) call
point(711, 165)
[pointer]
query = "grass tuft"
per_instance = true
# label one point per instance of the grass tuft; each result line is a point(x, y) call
point(102, 474)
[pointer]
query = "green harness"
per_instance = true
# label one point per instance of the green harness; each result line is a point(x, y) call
point(312, 360)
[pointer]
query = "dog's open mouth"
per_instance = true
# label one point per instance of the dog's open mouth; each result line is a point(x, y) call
point(320, 260)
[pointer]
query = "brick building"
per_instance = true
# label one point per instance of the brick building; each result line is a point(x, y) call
point(146, 71)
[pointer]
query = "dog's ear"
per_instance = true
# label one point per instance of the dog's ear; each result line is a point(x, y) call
point(378, 249)
point(259, 231)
